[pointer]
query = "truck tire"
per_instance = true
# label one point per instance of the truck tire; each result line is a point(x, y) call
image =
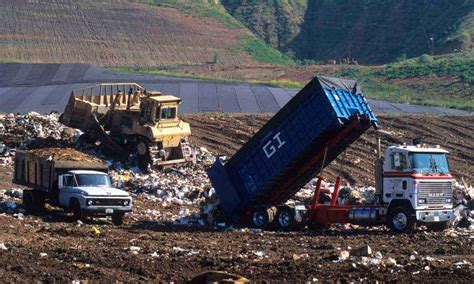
point(401, 220)
point(261, 217)
point(28, 201)
point(437, 227)
point(117, 219)
point(143, 155)
point(285, 218)
point(75, 208)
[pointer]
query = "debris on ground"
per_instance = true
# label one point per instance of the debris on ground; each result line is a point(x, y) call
point(218, 277)
point(173, 230)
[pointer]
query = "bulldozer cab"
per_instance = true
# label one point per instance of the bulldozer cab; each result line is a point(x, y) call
point(156, 108)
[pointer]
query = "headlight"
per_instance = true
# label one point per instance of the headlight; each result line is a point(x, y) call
point(449, 200)
point(89, 202)
point(126, 202)
point(421, 201)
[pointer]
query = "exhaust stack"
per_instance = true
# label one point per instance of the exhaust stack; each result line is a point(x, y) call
point(379, 172)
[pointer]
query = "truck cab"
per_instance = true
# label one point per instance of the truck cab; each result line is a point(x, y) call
point(90, 193)
point(417, 186)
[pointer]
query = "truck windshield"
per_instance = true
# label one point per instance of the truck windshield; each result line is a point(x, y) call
point(84, 180)
point(429, 163)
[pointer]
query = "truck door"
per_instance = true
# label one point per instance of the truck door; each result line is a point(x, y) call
point(396, 185)
point(65, 185)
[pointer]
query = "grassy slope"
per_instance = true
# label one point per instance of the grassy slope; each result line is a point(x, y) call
point(251, 45)
point(276, 22)
point(371, 32)
point(446, 81)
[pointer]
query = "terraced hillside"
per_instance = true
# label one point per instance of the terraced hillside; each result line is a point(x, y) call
point(117, 33)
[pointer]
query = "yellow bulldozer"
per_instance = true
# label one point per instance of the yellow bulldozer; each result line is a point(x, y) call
point(130, 121)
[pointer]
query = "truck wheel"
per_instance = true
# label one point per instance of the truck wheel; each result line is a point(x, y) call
point(143, 155)
point(76, 210)
point(437, 227)
point(28, 201)
point(261, 217)
point(285, 218)
point(400, 220)
point(117, 219)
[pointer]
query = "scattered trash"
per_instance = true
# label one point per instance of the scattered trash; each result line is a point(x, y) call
point(297, 257)
point(3, 246)
point(218, 277)
point(134, 249)
point(343, 255)
point(259, 253)
point(94, 230)
point(43, 254)
point(362, 251)
point(390, 262)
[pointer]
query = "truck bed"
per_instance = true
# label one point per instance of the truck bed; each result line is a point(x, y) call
point(39, 168)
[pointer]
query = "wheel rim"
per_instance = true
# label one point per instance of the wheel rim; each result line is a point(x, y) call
point(400, 221)
point(284, 219)
point(258, 218)
point(141, 148)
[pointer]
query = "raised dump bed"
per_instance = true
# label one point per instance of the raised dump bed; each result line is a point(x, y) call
point(319, 123)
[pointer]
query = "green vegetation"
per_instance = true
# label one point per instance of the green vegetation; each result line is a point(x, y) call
point(276, 22)
point(446, 81)
point(252, 45)
point(370, 32)
point(262, 52)
point(199, 8)
point(459, 65)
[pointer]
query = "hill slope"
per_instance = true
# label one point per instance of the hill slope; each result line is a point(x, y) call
point(122, 33)
point(367, 31)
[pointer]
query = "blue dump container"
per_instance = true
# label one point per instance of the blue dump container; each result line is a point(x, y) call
point(288, 150)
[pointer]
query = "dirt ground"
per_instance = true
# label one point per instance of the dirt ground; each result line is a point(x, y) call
point(225, 134)
point(49, 248)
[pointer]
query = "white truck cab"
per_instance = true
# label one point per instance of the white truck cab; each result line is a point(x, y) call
point(417, 178)
point(89, 193)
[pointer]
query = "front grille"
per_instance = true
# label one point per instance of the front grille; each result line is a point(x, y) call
point(108, 202)
point(435, 192)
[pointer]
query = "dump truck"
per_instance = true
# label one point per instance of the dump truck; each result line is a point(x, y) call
point(318, 124)
point(130, 121)
point(69, 179)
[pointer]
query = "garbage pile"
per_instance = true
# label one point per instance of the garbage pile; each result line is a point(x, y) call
point(463, 205)
point(347, 194)
point(34, 130)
